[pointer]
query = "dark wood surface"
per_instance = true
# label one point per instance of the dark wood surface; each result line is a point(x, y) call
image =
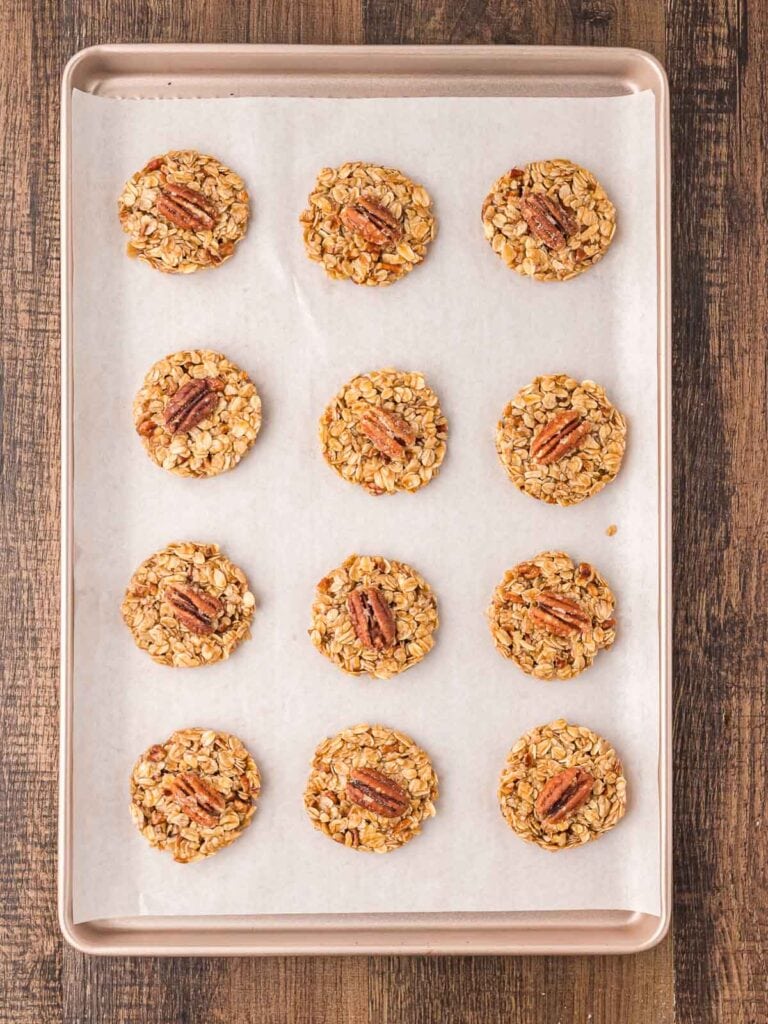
point(714, 965)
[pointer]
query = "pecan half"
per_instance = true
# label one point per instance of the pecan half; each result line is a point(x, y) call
point(372, 221)
point(185, 208)
point(560, 615)
point(192, 403)
point(547, 219)
point(563, 794)
point(388, 431)
point(194, 608)
point(377, 792)
point(561, 435)
point(197, 798)
point(372, 618)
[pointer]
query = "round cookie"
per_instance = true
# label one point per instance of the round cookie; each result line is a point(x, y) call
point(188, 605)
point(551, 617)
point(197, 413)
point(560, 440)
point(183, 211)
point(385, 431)
point(194, 794)
point(370, 788)
point(374, 616)
point(366, 223)
point(562, 786)
point(550, 220)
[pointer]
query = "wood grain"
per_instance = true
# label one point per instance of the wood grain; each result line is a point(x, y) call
point(713, 52)
point(31, 949)
point(721, 520)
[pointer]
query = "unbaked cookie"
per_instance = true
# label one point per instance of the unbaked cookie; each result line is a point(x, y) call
point(367, 223)
point(194, 794)
point(551, 617)
point(370, 788)
point(550, 220)
point(560, 440)
point(373, 615)
point(183, 211)
point(197, 413)
point(188, 605)
point(562, 786)
point(385, 431)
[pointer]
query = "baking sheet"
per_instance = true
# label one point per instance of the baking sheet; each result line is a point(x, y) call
point(478, 332)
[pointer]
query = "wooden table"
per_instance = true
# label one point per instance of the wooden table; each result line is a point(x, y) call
point(713, 966)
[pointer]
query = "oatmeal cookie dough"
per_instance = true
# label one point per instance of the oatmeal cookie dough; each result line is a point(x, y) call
point(183, 211)
point(194, 794)
point(560, 440)
point(373, 615)
point(367, 223)
point(562, 786)
point(370, 788)
point(551, 617)
point(197, 414)
point(385, 431)
point(550, 220)
point(188, 605)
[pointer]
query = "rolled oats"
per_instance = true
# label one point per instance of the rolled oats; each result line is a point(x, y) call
point(546, 645)
point(194, 794)
point(410, 599)
point(385, 431)
point(367, 223)
point(394, 775)
point(153, 619)
point(568, 467)
point(183, 211)
point(214, 443)
point(550, 220)
point(579, 816)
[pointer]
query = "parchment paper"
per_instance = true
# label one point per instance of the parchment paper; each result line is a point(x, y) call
point(478, 332)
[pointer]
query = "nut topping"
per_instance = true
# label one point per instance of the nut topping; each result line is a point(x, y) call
point(547, 218)
point(372, 618)
point(194, 608)
point(376, 792)
point(559, 615)
point(388, 431)
point(192, 403)
point(185, 208)
point(561, 435)
point(373, 222)
point(197, 798)
point(563, 794)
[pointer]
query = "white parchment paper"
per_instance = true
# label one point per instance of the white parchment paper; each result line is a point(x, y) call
point(478, 332)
